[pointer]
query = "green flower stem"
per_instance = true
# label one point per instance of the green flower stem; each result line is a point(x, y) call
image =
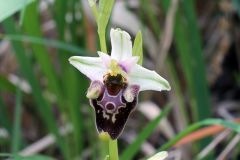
point(102, 19)
point(103, 149)
point(102, 41)
point(113, 149)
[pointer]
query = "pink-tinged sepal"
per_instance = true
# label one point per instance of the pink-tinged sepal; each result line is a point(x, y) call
point(128, 64)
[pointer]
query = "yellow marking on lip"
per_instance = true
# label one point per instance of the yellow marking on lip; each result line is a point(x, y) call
point(115, 69)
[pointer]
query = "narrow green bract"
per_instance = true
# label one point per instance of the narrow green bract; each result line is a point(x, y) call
point(138, 47)
point(105, 9)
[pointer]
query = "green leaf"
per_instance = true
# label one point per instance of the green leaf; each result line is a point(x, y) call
point(6, 85)
point(73, 84)
point(35, 157)
point(148, 15)
point(31, 25)
point(9, 7)
point(19, 157)
point(4, 116)
point(17, 123)
point(190, 53)
point(191, 56)
point(138, 47)
point(177, 90)
point(60, 10)
point(42, 106)
point(47, 42)
point(201, 90)
point(133, 148)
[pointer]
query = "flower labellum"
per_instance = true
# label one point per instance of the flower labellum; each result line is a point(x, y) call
point(116, 81)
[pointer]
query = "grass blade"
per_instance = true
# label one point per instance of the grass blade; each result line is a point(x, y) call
point(144, 134)
point(35, 157)
point(60, 10)
point(148, 15)
point(177, 89)
point(5, 85)
point(197, 62)
point(4, 116)
point(18, 157)
point(47, 42)
point(191, 56)
point(72, 82)
point(16, 134)
point(43, 106)
point(31, 25)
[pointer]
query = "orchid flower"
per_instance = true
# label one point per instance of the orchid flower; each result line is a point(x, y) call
point(116, 81)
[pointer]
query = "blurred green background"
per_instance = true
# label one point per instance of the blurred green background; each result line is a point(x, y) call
point(194, 44)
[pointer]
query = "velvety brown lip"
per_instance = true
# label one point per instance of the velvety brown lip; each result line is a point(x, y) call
point(112, 111)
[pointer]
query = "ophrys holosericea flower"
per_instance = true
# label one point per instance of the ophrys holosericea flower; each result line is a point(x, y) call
point(116, 81)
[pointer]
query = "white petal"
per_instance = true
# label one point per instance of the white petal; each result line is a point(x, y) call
point(159, 156)
point(106, 59)
point(147, 79)
point(92, 67)
point(121, 45)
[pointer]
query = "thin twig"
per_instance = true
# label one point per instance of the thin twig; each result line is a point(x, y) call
point(213, 144)
point(229, 147)
point(45, 142)
point(202, 133)
point(151, 111)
